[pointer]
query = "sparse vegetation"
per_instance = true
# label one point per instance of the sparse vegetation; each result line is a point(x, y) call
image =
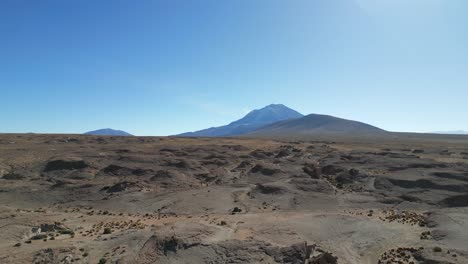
point(298, 191)
point(39, 237)
point(107, 230)
point(67, 232)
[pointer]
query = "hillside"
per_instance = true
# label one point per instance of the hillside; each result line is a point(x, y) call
point(108, 132)
point(315, 124)
point(252, 121)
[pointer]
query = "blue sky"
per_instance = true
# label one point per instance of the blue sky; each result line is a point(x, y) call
point(166, 67)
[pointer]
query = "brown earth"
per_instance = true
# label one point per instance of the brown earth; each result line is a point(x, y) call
point(95, 199)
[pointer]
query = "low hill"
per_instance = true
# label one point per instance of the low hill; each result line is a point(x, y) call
point(315, 124)
point(108, 132)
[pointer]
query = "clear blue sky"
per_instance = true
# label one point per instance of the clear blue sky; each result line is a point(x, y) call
point(165, 67)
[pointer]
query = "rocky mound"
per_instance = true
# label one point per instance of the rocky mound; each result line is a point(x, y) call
point(116, 170)
point(120, 187)
point(456, 201)
point(312, 170)
point(269, 189)
point(176, 250)
point(65, 164)
point(13, 176)
point(264, 170)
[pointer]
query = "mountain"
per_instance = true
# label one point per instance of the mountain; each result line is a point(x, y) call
point(252, 121)
point(314, 124)
point(456, 132)
point(108, 132)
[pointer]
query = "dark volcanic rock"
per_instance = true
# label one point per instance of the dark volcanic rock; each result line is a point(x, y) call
point(344, 178)
point(456, 201)
point(453, 176)
point(312, 170)
point(120, 187)
point(244, 164)
point(261, 154)
point(13, 176)
point(324, 258)
point(167, 249)
point(264, 170)
point(429, 165)
point(269, 189)
point(161, 174)
point(181, 164)
point(353, 172)
point(236, 210)
point(296, 253)
point(65, 164)
point(283, 153)
point(427, 184)
point(116, 170)
point(51, 227)
point(331, 170)
point(156, 247)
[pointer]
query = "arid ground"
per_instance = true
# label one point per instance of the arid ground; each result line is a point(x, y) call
point(96, 199)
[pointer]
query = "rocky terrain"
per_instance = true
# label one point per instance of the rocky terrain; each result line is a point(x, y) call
point(98, 199)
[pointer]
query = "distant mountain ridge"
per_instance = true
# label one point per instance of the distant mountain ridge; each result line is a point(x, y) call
point(108, 132)
point(315, 124)
point(455, 132)
point(252, 121)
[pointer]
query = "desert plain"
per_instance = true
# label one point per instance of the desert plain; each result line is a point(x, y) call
point(104, 199)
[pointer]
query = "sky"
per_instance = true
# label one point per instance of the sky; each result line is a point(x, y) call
point(172, 66)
